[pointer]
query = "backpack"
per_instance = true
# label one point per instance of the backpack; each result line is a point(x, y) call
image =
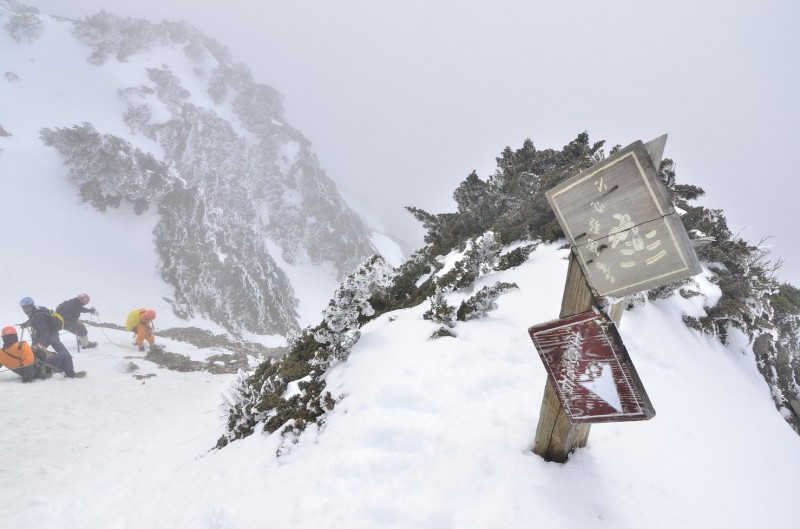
point(56, 321)
point(133, 319)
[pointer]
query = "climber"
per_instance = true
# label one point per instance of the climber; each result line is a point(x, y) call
point(17, 356)
point(140, 322)
point(45, 326)
point(71, 310)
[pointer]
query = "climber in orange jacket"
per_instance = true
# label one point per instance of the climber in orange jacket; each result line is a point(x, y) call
point(17, 356)
point(140, 321)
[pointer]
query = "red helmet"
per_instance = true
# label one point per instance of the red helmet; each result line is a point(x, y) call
point(7, 331)
point(150, 314)
point(83, 298)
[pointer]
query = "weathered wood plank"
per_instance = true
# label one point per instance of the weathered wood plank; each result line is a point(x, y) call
point(617, 310)
point(618, 218)
point(556, 437)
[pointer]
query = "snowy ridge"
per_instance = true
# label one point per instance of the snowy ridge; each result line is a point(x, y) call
point(429, 434)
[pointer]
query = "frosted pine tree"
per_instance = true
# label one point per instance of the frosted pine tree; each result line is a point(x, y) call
point(341, 319)
point(239, 405)
point(480, 257)
point(483, 302)
point(441, 311)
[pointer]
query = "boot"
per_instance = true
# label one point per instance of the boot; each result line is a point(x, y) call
point(85, 343)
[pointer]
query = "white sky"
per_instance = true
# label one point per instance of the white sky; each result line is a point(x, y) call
point(432, 434)
point(396, 95)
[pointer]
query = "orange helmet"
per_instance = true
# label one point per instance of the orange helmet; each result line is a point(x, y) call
point(9, 330)
point(150, 315)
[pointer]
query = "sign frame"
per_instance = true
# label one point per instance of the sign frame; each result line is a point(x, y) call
point(622, 227)
point(582, 355)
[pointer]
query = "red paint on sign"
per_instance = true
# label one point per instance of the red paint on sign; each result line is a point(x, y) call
point(590, 369)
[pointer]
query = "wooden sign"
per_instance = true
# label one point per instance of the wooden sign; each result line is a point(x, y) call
point(622, 226)
point(590, 370)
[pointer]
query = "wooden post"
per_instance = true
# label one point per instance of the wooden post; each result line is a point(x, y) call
point(556, 437)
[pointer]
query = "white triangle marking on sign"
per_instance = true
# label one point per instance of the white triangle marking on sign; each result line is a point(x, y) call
point(603, 386)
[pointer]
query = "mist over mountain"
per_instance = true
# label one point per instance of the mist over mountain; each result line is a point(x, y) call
point(158, 117)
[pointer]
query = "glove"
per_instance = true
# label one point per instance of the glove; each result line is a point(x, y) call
point(93, 310)
point(25, 324)
point(39, 352)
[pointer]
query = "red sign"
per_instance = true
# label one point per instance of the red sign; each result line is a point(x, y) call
point(590, 369)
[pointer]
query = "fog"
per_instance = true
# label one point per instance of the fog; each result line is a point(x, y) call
point(402, 100)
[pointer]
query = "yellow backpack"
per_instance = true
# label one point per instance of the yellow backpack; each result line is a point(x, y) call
point(56, 321)
point(133, 319)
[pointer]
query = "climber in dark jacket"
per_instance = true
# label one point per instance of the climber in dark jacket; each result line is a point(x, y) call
point(43, 334)
point(71, 310)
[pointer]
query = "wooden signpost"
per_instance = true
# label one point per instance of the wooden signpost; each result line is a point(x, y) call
point(625, 236)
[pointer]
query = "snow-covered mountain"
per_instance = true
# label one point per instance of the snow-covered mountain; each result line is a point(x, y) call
point(156, 127)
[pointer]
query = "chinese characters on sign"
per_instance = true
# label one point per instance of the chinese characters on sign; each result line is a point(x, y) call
point(622, 226)
point(590, 369)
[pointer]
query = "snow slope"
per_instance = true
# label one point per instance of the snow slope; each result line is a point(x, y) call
point(64, 247)
point(48, 83)
point(430, 434)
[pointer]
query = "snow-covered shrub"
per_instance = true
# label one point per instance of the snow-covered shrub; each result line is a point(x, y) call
point(442, 332)
point(483, 301)
point(239, 406)
point(24, 22)
point(263, 399)
point(107, 168)
point(350, 306)
point(511, 202)
point(441, 311)
point(480, 258)
point(109, 34)
point(516, 257)
point(3, 134)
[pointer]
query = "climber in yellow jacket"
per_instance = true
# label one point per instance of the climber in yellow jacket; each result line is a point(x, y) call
point(140, 322)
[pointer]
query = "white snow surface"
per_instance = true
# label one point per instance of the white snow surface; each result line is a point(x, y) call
point(429, 433)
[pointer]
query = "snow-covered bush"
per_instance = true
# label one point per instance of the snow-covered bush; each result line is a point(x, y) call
point(441, 311)
point(516, 257)
point(480, 258)
point(24, 22)
point(107, 168)
point(483, 301)
point(263, 400)
point(350, 306)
